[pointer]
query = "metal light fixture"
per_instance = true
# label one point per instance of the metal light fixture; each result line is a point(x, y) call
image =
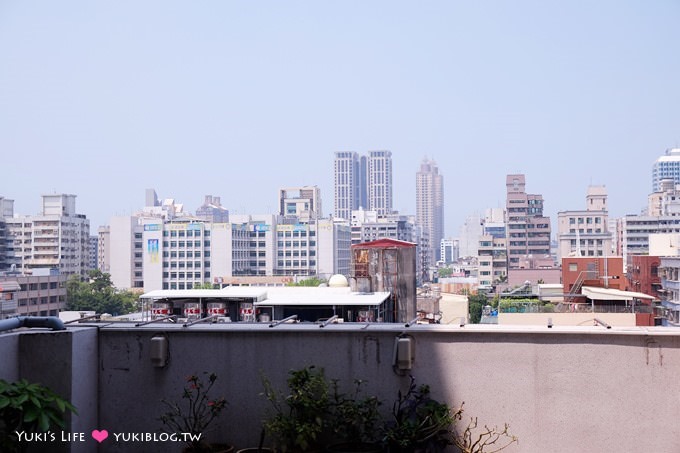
point(404, 353)
point(159, 351)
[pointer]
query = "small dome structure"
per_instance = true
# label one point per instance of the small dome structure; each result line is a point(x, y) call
point(338, 281)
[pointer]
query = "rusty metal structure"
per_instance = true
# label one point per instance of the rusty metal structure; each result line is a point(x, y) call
point(387, 265)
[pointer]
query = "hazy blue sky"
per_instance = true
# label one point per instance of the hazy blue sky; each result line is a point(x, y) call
point(104, 99)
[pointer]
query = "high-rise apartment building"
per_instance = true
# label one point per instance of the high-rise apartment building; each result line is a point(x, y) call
point(380, 182)
point(493, 259)
point(57, 238)
point(585, 232)
point(347, 184)
point(362, 182)
point(450, 250)
point(666, 167)
point(663, 216)
point(94, 250)
point(493, 248)
point(430, 205)
point(6, 243)
point(528, 230)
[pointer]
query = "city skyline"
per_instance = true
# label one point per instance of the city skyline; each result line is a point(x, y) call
point(239, 100)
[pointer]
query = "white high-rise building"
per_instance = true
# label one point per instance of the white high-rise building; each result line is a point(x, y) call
point(347, 184)
point(585, 232)
point(430, 205)
point(666, 167)
point(450, 250)
point(362, 182)
point(380, 182)
point(57, 238)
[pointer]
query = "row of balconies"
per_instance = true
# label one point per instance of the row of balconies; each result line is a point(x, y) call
point(671, 284)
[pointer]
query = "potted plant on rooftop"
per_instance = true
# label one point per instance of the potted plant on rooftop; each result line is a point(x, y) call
point(418, 422)
point(191, 418)
point(29, 408)
point(299, 419)
point(354, 420)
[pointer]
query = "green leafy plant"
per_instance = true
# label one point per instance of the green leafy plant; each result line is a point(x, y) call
point(194, 413)
point(485, 440)
point(354, 418)
point(29, 407)
point(298, 419)
point(418, 422)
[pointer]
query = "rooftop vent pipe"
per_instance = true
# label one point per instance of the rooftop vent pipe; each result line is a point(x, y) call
point(50, 322)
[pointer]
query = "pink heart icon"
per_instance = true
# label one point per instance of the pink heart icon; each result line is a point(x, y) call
point(100, 436)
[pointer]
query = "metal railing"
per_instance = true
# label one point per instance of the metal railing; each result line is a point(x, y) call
point(579, 308)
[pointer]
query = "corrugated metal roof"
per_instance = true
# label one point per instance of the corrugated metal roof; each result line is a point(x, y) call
point(270, 296)
point(315, 296)
point(385, 242)
point(592, 292)
point(226, 292)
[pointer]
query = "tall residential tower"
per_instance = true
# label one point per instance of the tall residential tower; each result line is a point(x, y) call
point(363, 182)
point(528, 230)
point(57, 238)
point(430, 205)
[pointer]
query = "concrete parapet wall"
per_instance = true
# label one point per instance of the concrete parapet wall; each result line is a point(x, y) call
point(565, 389)
point(567, 319)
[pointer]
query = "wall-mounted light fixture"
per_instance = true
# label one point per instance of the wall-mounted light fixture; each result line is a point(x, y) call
point(159, 351)
point(404, 353)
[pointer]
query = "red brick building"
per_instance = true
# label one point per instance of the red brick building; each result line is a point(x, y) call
point(643, 275)
point(598, 271)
